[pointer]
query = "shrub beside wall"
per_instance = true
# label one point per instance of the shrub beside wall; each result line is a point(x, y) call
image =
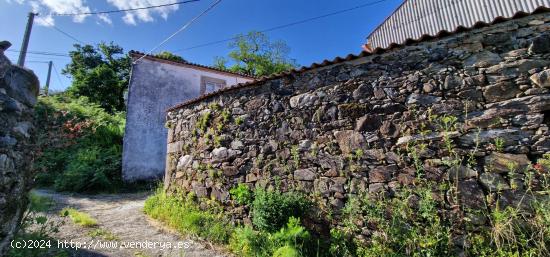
point(445, 138)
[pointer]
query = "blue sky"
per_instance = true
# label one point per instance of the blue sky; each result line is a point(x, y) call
point(310, 42)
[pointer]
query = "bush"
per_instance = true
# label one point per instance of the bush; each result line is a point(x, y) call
point(245, 241)
point(91, 169)
point(271, 210)
point(291, 240)
point(242, 194)
point(80, 145)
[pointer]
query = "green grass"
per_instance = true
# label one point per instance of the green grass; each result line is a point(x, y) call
point(79, 218)
point(184, 215)
point(39, 203)
point(103, 234)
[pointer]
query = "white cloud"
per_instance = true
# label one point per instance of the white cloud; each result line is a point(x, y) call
point(16, 1)
point(105, 18)
point(46, 21)
point(46, 7)
point(146, 15)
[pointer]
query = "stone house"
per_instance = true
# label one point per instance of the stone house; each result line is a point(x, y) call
point(155, 85)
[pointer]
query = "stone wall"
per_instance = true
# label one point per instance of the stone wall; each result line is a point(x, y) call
point(18, 92)
point(376, 123)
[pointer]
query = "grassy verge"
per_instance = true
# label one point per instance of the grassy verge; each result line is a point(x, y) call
point(182, 214)
point(79, 218)
point(289, 239)
point(103, 234)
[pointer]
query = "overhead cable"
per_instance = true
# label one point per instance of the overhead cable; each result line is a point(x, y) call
point(287, 24)
point(124, 10)
point(185, 26)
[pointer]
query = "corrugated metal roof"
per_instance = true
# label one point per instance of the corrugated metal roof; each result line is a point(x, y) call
point(415, 19)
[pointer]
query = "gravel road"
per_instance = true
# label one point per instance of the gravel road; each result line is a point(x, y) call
point(122, 215)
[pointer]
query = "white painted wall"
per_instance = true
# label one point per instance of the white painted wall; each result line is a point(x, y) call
point(154, 87)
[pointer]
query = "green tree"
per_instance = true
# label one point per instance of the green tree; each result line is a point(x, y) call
point(170, 56)
point(100, 73)
point(256, 55)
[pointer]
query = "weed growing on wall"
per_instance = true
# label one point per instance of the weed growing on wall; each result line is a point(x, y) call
point(242, 194)
point(407, 224)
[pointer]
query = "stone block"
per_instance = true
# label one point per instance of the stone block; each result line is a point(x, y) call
point(308, 174)
point(349, 140)
point(504, 163)
point(382, 173)
point(493, 182)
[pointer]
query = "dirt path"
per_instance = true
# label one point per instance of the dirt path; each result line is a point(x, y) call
point(120, 214)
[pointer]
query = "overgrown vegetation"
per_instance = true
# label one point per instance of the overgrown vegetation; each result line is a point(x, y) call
point(277, 227)
point(80, 145)
point(291, 240)
point(416, 221)
point(271, 210)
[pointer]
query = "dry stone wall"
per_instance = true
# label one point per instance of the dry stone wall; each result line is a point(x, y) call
point(462, 108)
point(18, 92)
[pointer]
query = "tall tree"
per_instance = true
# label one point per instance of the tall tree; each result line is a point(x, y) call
point(256, 55)
point(170, 56)
point(100, 73)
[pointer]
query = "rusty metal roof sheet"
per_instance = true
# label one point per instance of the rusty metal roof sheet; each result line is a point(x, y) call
point(351, 57)
point(415, 19)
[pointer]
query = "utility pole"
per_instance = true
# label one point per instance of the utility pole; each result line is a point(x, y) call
point(47, 86)
point(25, 45)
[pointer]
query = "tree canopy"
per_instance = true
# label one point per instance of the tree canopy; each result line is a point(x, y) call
point(170, 56)
point(255, 54)
point(100, 73)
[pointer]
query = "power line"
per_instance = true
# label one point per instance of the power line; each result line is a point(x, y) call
point(124, 10)
point(287, 24)
point(185, 26)
point(63, 32)
point(32, 61)
point(41, 53)
point(68, 35)
point(58, 77)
